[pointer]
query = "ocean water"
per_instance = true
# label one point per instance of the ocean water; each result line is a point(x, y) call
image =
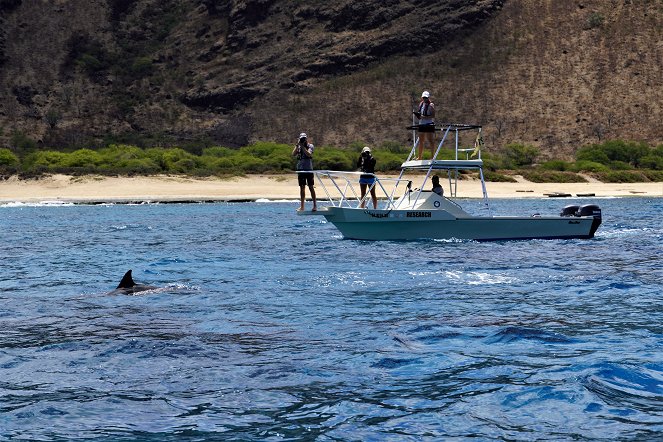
point(269, 326)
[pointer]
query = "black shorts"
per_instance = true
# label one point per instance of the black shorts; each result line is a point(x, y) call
point(426, 128)
point(305, 178)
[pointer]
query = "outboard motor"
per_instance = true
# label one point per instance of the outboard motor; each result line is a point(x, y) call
point(591, 210)
point(569, 210)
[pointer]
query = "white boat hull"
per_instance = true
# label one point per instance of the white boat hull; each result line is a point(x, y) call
point(355, 223)
point(425, 213)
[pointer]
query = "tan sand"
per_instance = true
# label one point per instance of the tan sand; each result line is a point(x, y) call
point(94, 189)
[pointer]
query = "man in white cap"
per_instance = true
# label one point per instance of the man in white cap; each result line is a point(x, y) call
point(304, 152)
point(426, 115)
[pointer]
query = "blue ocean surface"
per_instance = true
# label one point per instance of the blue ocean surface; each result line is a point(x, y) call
point(270, 326)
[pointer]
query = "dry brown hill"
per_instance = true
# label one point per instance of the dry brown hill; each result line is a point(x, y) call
point(556, 74)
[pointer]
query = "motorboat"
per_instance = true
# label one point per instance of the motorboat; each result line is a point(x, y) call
point(407, 213)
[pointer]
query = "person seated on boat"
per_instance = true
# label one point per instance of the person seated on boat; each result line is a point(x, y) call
point(437, 188)
point(303, 151)
point(426, 116)
point(366, 163)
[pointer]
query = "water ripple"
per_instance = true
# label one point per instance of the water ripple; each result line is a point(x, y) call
point(618, 385)
point(269, 326)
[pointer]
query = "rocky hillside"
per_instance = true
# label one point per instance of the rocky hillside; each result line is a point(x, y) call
point(555, 74)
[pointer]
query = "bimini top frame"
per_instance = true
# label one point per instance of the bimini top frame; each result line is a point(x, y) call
point(464, 158)
point(340, 186)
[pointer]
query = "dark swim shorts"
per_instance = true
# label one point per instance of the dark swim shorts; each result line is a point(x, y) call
point(305, 178)
point(427, 127)
point(366, 179)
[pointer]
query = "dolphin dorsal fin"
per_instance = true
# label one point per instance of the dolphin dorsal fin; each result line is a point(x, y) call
point(127, 281)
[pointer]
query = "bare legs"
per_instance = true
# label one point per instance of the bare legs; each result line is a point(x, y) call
point(426, 138)
point(362, 187)
point(302, 197)
point(315, 203)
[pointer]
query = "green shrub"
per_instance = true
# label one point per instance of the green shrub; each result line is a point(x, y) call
point(490, 163)
point(90, 63)
point(614, 150)
point(653, 175)
point(264, 149)
point(135, 166)
point(81, 158)
point(622, 176)
point(495, 177)
point(356, 146)
point(279, 161)
point(156, 155)
point(550, 176)
point(22, 143)
point(129, 160)
point(520, 154)
point(43, 161)
point(592, 154)
point(221, 165)
point(388, 161)
point(447, 154)
point(652, 161)
point(335, 159)
point(219, 152)
point(556, 165)
point(8, 161)
point(176, 160)
point(595, 20)
point(184, 166)
point(141, 67)
point(119, 152)
point(267, 157)
point(620, 165)
point(52, 118)
point(589, 166)
point(394, 147)
point(246, 163)
point(88, 54)
point(222, 160)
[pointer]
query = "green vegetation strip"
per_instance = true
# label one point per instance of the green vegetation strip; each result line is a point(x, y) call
point(612, 161)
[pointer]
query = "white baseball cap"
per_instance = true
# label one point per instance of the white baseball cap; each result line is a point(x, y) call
point(425, 94)
point(303, 135)
point(366, 149)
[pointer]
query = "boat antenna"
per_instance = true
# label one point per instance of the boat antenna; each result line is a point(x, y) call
point(414, 108)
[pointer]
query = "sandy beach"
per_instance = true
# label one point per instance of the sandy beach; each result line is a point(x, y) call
point(97, 189)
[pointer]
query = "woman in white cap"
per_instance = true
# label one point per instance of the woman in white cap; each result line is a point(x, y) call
point(366, 164)
point(304, 152)
point(426, 115)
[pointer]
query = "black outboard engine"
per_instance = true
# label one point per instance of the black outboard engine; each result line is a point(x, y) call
point(591, 210)
point(569, 210)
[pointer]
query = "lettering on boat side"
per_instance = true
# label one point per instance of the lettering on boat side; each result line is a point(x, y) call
point(377, 214)
point(574, 222)
point(419, 214)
